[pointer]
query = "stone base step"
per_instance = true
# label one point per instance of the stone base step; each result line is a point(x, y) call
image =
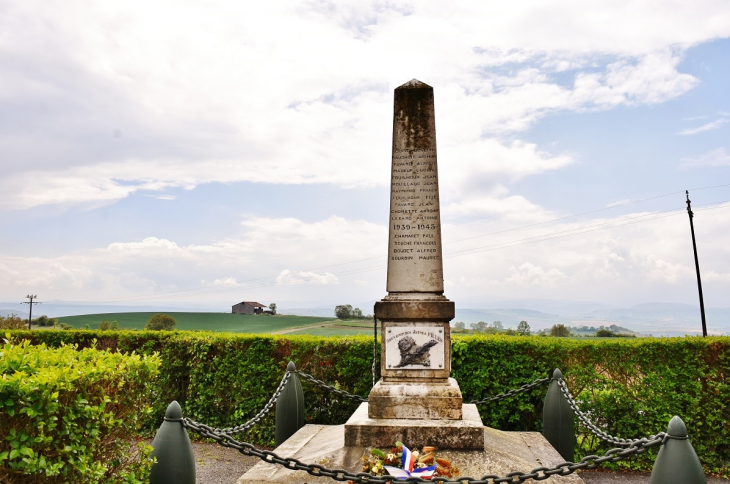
point(467, 433)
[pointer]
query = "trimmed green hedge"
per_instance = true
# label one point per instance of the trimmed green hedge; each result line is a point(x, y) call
point(631, 388)
point(72, 415)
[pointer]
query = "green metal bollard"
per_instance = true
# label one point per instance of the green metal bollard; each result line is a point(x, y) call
point(677, 461)
point(174, 452)
point(558, 420)
point(289, 407)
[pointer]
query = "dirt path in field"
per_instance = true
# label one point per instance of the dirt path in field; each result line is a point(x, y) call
point(333, 324)
point(291, 330)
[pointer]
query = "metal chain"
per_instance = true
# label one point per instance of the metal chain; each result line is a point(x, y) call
point(334, 390)
point(541, 473)
point(259, 416)
point(593, 428)
point(524, 388)
point(634, 447)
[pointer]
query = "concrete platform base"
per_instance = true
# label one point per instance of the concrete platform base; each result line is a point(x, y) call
point(467, 433)
point(325, 445)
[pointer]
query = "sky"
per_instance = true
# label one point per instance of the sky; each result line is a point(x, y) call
point(212, 152)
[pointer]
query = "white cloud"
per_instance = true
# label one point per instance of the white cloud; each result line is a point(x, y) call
point(313, 254)
point(716, 157)
point(635, 262)
point(289, 259)
point(126, 100)
point(705, 127)
point(618, 203)
point(530, 275)
point(111, 99)
point(306, 277)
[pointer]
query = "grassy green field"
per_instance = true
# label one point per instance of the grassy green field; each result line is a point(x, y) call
point(339, 328)
point(226, 322)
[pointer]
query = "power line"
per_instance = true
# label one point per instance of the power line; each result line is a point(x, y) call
point(581, 214)
point(489, 248)
point(237, 286)
point(545, 237)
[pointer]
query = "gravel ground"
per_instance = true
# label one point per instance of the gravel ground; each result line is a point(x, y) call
point(602, 477)
point(215, 464)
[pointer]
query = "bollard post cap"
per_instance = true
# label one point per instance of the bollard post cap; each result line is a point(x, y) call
point(291, 366)
point(557, 374)
point(677, 428)
point(173, 411)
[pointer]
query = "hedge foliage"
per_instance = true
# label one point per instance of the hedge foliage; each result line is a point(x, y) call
point(631, 388)
point(72, 415)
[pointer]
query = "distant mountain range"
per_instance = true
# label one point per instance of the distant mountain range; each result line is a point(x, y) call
point(658, 319)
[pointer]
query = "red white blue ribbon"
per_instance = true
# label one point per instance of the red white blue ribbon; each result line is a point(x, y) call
point(408, 461)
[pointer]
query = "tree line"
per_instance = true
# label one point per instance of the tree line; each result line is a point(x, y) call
point(346, 311)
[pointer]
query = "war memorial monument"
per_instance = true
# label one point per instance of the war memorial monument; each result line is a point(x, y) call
point(416, 401)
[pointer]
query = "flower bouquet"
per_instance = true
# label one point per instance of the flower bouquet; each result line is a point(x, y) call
point(403, 463)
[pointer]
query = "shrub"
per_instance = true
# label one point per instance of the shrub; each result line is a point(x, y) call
point(560, 331)
point(159, 322)
point(12, 322)
point(630, 387)
point(44, 321)
point(605, 333)
point(69, 415)
point(104, 325)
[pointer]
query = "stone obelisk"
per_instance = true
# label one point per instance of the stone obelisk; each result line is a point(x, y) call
point(415, 399)
point(415, 315)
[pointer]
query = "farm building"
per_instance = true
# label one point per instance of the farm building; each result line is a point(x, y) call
point(248, 307)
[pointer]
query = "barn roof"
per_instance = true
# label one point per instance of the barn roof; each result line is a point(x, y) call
point(252, 303)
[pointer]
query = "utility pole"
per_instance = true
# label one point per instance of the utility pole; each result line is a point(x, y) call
point(30, 304)
point(697, 265)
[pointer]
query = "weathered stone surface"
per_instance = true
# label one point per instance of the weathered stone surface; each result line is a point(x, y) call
point(414, 248)
point(466, 433)
point(312, 444)
point(415, 300)
point(410, 307)
point(505, 452)
point(408, 400)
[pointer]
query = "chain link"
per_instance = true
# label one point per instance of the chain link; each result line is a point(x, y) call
point(541, 473)
point(256, 419)
point(633, 447)
point(334, 390)
point(593, 428)
point(524, 388)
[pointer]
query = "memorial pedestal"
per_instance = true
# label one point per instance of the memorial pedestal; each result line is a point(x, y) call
point(504, 452)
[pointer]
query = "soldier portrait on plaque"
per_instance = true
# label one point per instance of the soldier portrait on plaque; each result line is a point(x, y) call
point(411, 354)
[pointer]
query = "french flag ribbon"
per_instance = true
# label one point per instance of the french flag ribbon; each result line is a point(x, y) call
point(424, 472)
point(408, 461)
